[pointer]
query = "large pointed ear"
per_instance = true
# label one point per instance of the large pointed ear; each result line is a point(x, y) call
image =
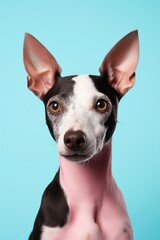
point(120, 63)
point(41, 66)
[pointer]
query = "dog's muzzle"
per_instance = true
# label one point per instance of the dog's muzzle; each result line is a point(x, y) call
point(76, 146)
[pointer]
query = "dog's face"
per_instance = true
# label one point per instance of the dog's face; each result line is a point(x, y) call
point(81, 111)
point(81, 115)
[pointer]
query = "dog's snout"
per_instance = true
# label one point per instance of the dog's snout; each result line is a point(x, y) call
point(74, 140)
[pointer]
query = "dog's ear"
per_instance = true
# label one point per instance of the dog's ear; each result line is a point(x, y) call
point(41, 66)
point(120, 63)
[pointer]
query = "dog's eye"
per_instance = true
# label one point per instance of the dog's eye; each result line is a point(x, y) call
point(54, 107)
point(102, 105)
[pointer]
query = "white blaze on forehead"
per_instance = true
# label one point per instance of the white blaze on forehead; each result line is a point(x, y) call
point(84, 91)
point(84, 94)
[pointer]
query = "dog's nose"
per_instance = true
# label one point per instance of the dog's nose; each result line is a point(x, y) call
point(74, 140)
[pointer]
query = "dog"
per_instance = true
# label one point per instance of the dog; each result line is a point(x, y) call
point(83, 201)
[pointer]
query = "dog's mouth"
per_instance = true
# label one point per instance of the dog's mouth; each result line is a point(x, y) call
point(76, 157)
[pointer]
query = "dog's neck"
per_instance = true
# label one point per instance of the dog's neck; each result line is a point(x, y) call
point(86, 181)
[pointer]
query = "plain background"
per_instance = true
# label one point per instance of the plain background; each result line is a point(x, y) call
point(79, 34)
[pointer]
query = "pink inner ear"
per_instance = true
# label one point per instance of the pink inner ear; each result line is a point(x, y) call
point(120, 81)
point(120, 63)
point(37, 87)
point(40, 65)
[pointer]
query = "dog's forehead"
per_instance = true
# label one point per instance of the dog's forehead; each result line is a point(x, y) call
point(83, 86)
point(77, 85)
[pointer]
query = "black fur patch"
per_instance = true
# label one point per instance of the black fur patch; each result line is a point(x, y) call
point(53, 211)
point(64, 88)
point(54, 206)
point(102, 86)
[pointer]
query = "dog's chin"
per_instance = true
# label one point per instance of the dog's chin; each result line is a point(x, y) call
point(76, 157)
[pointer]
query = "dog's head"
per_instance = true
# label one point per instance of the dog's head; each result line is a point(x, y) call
point(81, 110)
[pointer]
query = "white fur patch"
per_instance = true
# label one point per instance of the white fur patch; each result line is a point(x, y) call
point(48, 233)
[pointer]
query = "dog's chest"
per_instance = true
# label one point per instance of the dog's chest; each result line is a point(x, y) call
point(96, 211)
point(87, 222)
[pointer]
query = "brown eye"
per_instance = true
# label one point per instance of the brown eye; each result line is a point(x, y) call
point(102, 105)
point(55, 107)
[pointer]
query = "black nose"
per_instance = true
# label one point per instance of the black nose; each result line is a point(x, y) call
point(74, 140)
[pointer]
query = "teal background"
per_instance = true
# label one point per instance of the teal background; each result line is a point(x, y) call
point(79, 34)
